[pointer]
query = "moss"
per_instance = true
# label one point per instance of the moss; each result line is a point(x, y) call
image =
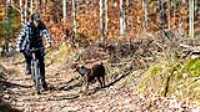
point(184, 81)
point(151, 74)
point(155, 70)
point(193, 67)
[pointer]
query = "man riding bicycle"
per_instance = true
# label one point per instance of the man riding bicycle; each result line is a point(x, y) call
point(31, 37)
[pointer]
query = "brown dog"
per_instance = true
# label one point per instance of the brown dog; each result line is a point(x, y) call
point(90, 75)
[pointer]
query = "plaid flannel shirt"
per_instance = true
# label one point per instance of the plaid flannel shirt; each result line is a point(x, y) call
point(24, 36)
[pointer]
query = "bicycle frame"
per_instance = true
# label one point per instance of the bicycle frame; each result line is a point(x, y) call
point(35, 70)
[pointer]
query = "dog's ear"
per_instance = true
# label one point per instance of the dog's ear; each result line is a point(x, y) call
point(81, 66)
point(74, 65)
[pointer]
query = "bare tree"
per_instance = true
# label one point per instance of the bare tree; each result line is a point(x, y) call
point(36, 5)
point(128, 3)
point(145, 3)
point(103, 19)
point(40, 4)
point(31, 6)
point(175, 7)
point(162, 14)
point(6, 8)
point(26, 11)
point(21, 11)
point(74, 11)
point(191, 18)
point(45, 8)
point(122, 18)
point(64, 10)
point(169, 15)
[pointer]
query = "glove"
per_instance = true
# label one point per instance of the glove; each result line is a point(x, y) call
point(18, 50)
point(48, 45)
point(21, 51)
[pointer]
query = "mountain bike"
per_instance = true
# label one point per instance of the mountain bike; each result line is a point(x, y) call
point(35, 70)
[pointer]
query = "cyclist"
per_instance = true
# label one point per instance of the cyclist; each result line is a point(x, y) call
point(30, 37)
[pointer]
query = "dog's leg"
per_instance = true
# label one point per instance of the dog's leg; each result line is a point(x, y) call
point(83, 85)
point(103, 81)
point(87, 87)
point(100, 82)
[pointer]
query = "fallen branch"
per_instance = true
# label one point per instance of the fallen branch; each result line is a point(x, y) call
point(9, 84)
point(194, 49)
point(190, 51)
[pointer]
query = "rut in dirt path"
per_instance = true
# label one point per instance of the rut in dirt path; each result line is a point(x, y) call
point(23, 92)
point(64, 95)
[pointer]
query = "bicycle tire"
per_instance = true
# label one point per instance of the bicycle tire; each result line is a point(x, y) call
point(33, 72)
point(36, 76)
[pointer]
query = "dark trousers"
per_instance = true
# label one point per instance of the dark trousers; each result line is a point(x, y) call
point(39, 55)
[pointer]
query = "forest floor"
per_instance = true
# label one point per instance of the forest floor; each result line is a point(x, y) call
point(64, 92)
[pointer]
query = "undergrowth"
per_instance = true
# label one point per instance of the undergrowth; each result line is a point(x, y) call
point(173, 77)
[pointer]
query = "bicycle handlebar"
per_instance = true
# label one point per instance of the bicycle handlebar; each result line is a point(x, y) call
point(36, 49)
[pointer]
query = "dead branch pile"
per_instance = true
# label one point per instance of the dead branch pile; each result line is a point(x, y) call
point(139, 53)
point(191, 48)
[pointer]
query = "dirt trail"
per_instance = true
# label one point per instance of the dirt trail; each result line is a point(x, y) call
point(64, 95)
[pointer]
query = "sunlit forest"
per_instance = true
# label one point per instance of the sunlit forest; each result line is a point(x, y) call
point(99, 56)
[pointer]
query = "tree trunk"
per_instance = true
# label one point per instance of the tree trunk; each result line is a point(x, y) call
point(40, 4)
point(6, 9)
point(128, 3)
point(122, 18)
point(8, 2)
point(162, 14)
point(26, 13)
point(74, 17)
point(31, 7)
point(191, 18)
point(145, 14)
point(45, 7)
point(162, 18)
point(21, 11)
point(103, 19)
point(36, 5)
point(64, 10)
point(169, 15)
point(174, 17)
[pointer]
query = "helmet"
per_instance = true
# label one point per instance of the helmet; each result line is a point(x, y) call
point(35, 17)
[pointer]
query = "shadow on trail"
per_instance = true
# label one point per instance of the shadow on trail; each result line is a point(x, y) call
point(6, 107)
point(13, 85)
point(71, 84)
point(75, 83)
point(65, 97)
point(117, 79)
point(111, 83)
point(70, 87)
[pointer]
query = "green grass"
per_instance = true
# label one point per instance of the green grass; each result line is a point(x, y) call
point(193, 67)
point(181, 78)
